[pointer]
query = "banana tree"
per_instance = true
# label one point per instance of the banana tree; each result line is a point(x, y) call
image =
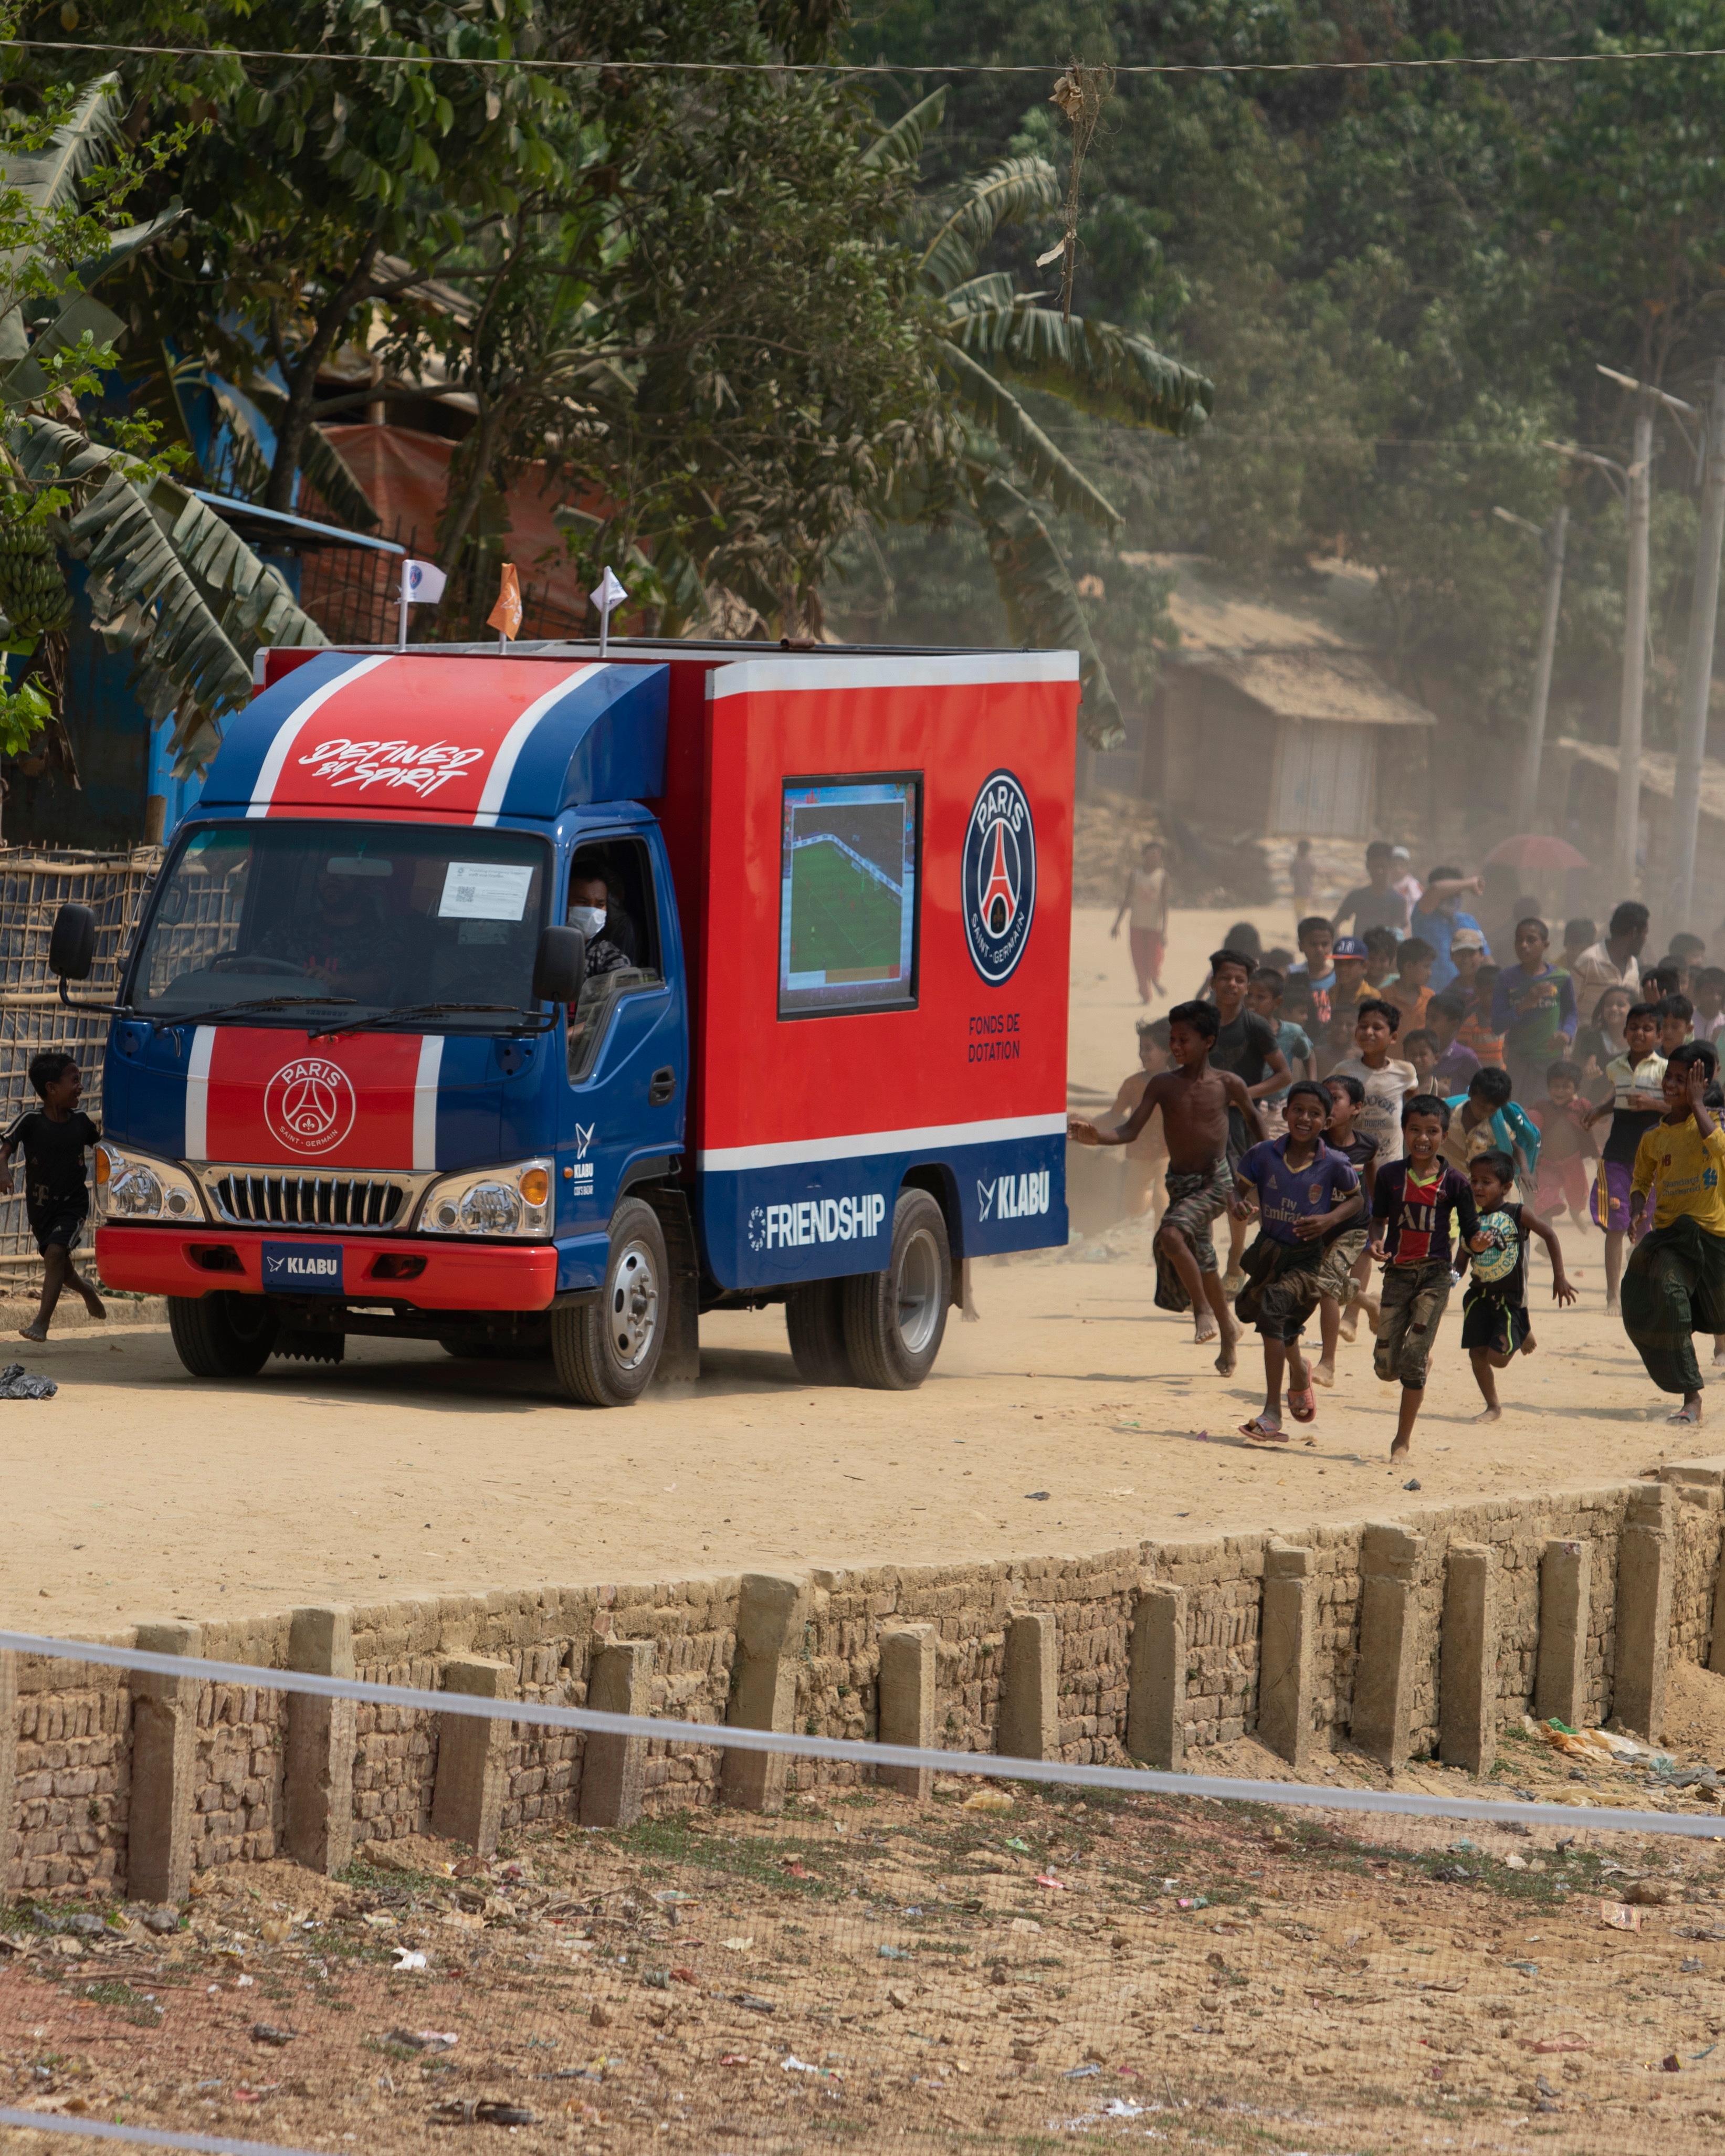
point(168, 580)
point(990, 342)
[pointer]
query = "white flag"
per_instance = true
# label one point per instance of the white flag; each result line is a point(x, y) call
point(422, 582)
point(610, 593)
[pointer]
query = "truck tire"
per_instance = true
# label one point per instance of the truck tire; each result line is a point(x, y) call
point(222, 1336)
point(815, 1318)
point(895, 1320)
point(606, 1352)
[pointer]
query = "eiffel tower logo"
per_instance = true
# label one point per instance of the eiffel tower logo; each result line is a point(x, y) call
point(1000, 901)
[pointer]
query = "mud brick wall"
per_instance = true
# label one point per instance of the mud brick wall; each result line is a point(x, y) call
point(73, 1780)
point(237, 1774)
point(73, 1723)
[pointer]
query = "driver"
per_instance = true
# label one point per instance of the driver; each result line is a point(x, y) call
point(344, 943)
point(589, 902)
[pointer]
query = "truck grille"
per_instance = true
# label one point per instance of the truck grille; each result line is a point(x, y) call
point(255, 1199)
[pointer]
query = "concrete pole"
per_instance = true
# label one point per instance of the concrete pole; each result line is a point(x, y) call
point(1556, 532)
point(1635, 660)
point(1698, 663)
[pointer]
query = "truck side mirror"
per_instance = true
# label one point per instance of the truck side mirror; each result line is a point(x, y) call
point(71, 943)
point(559, 964)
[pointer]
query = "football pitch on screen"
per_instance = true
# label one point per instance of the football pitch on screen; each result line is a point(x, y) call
point(843, 923)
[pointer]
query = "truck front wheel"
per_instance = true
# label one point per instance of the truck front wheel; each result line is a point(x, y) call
point(606, 1352)
point(895, 1320)
point(222, 1336)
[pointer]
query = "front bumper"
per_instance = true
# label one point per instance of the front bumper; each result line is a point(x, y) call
point(446, 1274)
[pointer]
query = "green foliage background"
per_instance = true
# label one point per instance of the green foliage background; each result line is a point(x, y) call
point(1399, 283)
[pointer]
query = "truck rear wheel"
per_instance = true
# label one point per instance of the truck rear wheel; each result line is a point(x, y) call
point(895, 1320)
point(222, 1336)
point(815, 1318)
point(606, 1352)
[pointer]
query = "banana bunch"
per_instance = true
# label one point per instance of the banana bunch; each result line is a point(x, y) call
point(32, 586)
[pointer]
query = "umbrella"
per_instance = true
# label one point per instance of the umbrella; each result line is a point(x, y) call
point(1535, 850)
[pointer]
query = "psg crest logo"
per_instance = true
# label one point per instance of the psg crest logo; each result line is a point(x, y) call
point(999, 877)
point(309, 1105)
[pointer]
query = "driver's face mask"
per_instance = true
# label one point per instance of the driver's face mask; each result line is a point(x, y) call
point(590, 920)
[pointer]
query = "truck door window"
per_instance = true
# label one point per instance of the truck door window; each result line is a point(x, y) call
point(624, 957)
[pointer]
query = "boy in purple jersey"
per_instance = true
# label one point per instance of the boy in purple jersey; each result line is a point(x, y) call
point(1305, 1193)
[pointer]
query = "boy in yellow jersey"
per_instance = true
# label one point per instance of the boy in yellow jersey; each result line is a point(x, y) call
point(1674, 1286)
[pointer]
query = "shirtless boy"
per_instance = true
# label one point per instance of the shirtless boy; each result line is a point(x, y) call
point(1194, 1101)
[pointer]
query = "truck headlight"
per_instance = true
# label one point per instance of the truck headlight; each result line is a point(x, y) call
point(136, 1186)
point(515, 1200)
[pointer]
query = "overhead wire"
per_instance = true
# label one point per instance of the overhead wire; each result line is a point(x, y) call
point(1410, 64)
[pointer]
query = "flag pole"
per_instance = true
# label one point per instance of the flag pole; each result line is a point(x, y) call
point(401, 640)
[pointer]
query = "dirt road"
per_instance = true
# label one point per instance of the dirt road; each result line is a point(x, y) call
point(138, 1492)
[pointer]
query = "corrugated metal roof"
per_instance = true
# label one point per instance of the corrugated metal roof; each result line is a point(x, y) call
point(1334, 685)
point(1302, 654)
point(1659, 773)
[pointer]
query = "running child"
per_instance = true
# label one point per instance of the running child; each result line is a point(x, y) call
point(1488, 1119)
point(1265, 992)
point(1494, 1324)
point(1566, 1144)
point(1147, 1155)
point(1382, 944)
point(1387, 1080)
point(1345, 1276)
point(1315, 937)
point(1635, 1104)
point(1410, 991)
point(1420, 1047)
point(1709, 990)
point(1675, 1286)
point(1476, 1030)
point(1146, 899)
point(1306, 1194)
point(1455, 1065)
point(1416, 1201)
point(53, 1139)
point(1194, 1101)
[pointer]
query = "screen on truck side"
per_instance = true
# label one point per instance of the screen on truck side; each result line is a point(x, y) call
point(848, 903)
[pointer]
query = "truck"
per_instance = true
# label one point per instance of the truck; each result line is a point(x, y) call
point(534, 1001)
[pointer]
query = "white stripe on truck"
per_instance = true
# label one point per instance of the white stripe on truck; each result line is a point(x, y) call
point(503, 764)
point(425, 1082)
point(203, 1047)
point(733, 1160)
point(263, 790)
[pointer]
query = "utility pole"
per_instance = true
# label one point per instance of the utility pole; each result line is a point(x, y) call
point(1640, 481)
point(1698, 660)
point(1551, 538)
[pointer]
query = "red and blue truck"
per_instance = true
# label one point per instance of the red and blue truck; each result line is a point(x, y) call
point(539, 1001)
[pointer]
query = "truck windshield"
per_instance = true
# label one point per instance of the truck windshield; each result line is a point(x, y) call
point(379, 917)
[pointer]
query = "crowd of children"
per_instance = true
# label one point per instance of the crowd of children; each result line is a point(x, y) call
point(1393, 1107)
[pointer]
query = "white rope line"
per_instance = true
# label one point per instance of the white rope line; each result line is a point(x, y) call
point(893, 68)
point(1138, 1781)
point(149, 2137)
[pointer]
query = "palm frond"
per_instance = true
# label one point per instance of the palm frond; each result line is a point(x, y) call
point(85, 316)
point(1042, 604)
point(995, 293)
point(48, 179)
point(123, 245)
point(1050, 470)
point(1107, 371)
point(1015, 188)
point(899, 148)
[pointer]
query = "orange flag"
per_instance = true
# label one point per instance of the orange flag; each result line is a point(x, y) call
point(505, 617)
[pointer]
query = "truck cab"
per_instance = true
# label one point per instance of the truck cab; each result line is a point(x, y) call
point(533, 1003)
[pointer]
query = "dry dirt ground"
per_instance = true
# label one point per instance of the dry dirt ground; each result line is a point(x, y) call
point(139, 1492)
point(862, 1973)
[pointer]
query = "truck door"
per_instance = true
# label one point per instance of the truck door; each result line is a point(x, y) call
point(627, 1067)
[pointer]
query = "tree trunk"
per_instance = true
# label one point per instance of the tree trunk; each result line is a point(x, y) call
point(478, 470)
point(302, 379)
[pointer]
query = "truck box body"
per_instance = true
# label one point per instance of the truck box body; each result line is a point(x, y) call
point(837, 895)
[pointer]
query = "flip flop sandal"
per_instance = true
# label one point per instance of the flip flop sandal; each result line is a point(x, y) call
point(1258, 1432)
point(1689, 1417)
point(1310, 1414)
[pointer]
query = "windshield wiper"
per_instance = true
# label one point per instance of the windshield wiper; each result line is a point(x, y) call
point(234, 1010)
point(410, 1010)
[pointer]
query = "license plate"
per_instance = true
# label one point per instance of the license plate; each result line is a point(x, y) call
point(302, 1268)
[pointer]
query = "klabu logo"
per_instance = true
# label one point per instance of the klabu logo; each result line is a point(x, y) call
point(999, 877)
point(420, 767)
point(1013, 1197)
point(309, 1105)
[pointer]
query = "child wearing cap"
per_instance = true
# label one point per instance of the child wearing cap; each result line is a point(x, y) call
point(1348, 959)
